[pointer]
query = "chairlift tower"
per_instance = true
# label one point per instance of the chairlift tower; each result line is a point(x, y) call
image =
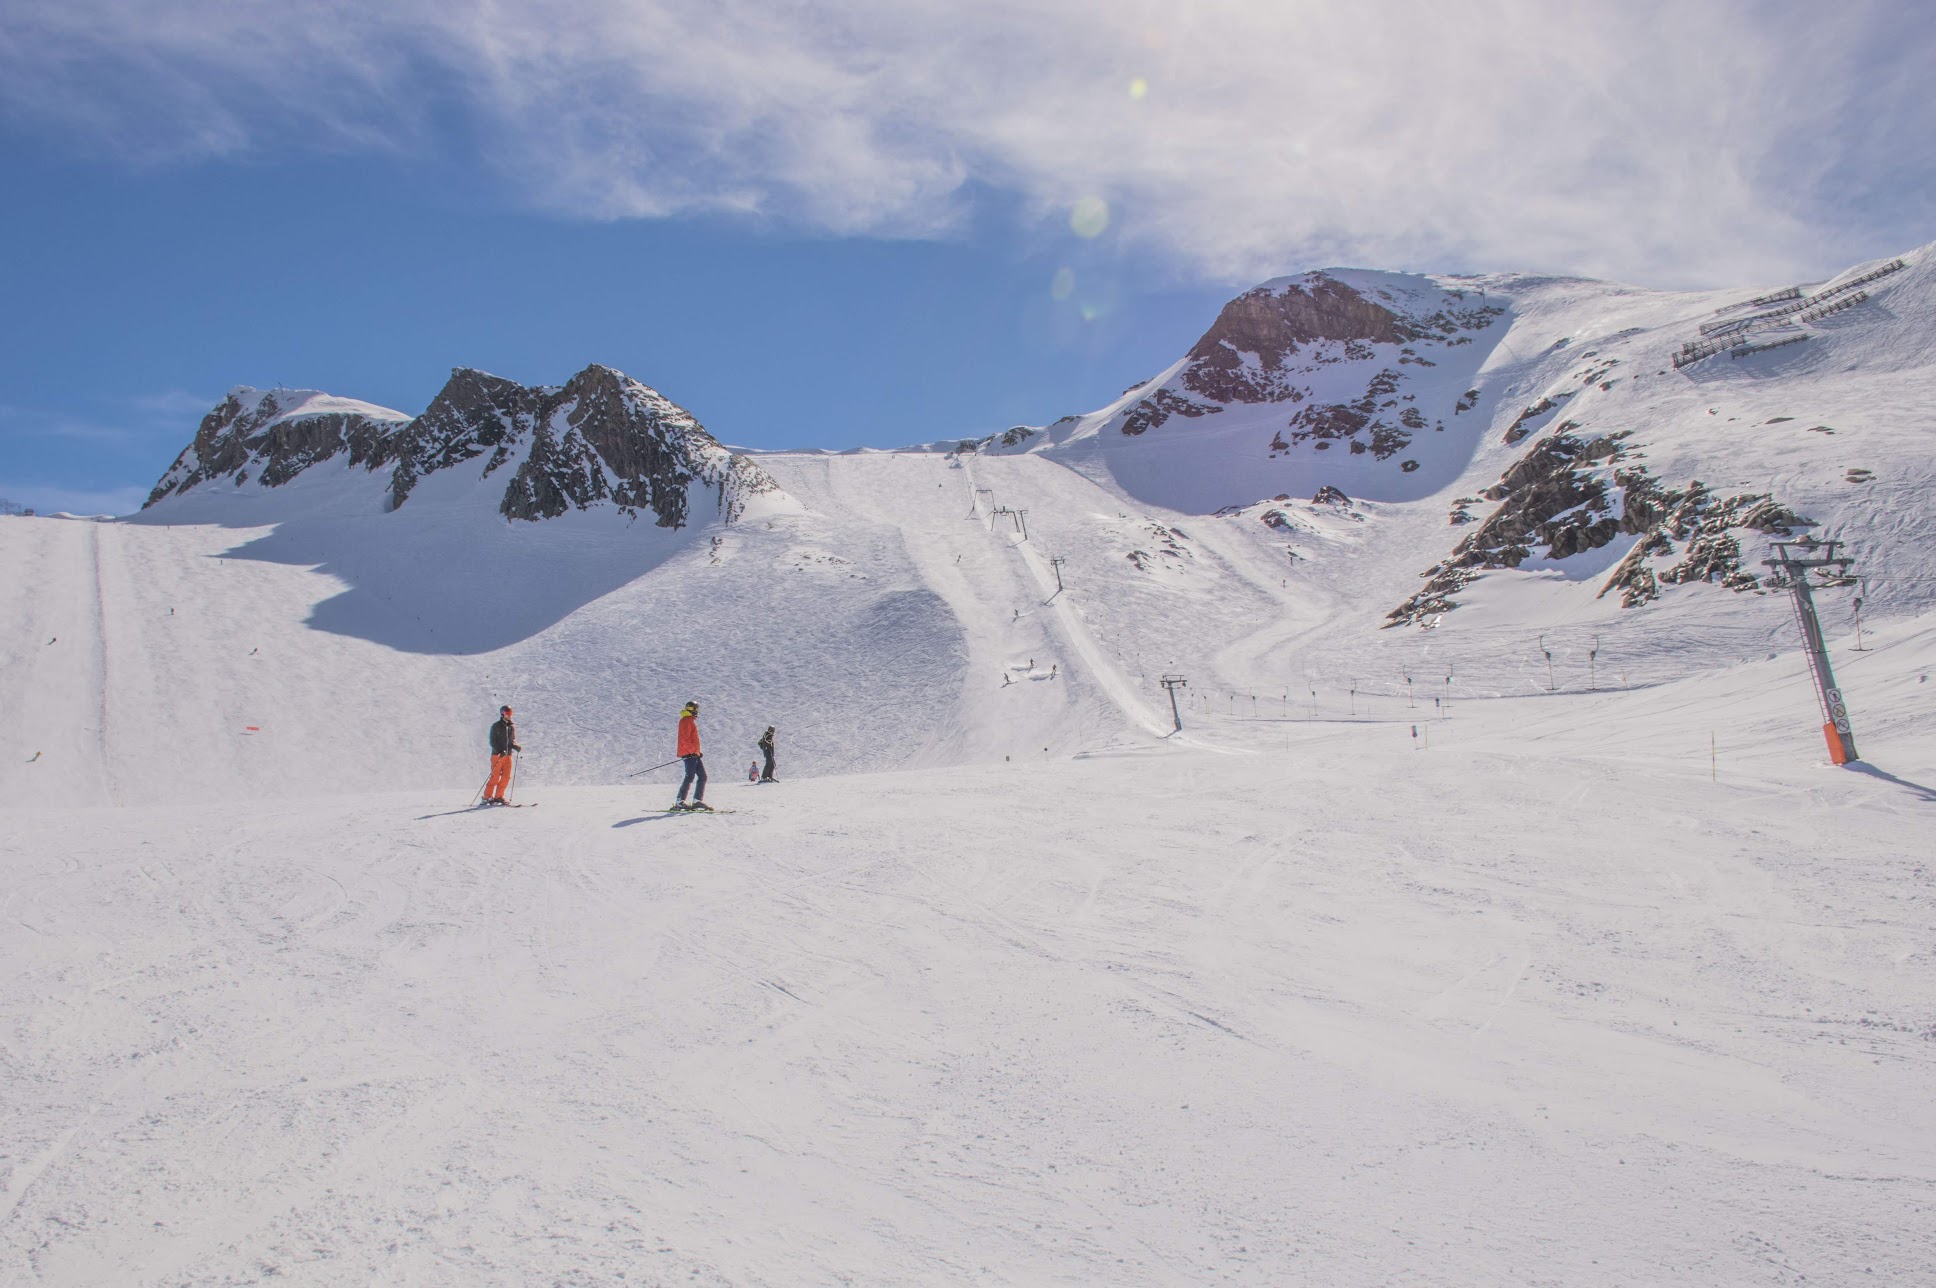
point(1173, 683)
point(1793, 562)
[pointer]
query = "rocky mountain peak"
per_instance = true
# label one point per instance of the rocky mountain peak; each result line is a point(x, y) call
point(1272, 323)
point(273, 435)
point(600, 438)
point(1330, 359)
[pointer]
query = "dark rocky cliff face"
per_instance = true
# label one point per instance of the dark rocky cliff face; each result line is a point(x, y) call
point(600, 438)
point(475, 413)
point(1272, 325)
point(1570, 494)
point(1282, 343)
point(266, 436)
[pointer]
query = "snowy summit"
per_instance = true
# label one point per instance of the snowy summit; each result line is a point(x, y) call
point(1354, 809)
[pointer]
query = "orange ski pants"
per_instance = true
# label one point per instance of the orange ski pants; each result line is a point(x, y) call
point(500, 778)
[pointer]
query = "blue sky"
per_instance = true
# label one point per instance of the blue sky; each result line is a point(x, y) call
point(148, 294)
point(845, 224)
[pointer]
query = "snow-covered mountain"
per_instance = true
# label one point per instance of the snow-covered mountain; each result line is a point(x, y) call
point(1526, 466)
point(1492, 918)
point(601, 438)
point(1373, 367)
point(1572, 424)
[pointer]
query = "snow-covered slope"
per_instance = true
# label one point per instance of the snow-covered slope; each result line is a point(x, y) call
point(1575, 493)
point(1337, 1008)
point(1539, 945)
point(1363, 378)
point(1560, 417)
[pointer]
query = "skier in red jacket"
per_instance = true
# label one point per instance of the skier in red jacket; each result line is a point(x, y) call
point(695, 779)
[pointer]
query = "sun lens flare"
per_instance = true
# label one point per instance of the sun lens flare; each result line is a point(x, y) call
point(1089, 218)
point(1063, 284)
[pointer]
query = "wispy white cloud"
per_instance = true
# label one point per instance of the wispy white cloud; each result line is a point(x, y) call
point(1668, 142)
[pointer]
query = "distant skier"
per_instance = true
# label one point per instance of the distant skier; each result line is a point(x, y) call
point(688, 751)
point(504, 741)
point(765, 744)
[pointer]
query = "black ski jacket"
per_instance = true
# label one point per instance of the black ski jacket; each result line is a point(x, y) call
point(766, 742)
point(504, 738)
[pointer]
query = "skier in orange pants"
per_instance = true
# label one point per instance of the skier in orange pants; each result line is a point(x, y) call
point(504, 741)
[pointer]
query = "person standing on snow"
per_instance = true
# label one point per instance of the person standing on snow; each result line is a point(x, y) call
point(695, 779)
point(765, 745)
point(504, 741)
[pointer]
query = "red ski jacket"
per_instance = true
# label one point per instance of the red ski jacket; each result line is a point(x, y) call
point(688, 735)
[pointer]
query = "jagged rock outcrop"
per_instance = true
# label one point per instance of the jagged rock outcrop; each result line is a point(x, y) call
point(1159, 407)
point(1706, 528)
point(1569, 494)
point(1551, 496)
point(600, 438)
point(475, 413)
point(1014, 436)
point(1520, 429)
point(1297, 342)
point(1272, 324)
point(273, 435)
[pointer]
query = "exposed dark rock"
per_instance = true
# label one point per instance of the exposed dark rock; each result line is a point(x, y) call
point(1013, 437)
point(1388, 441)
point(1267, 341)
point(1706, 526)
point(1328, 420)
point(1518, 430)
point(600, 438)
point(1552, 496)
point(267, 436)
point(1159, 407)
point(1169, 545)
point(475, 413)
point(1561, 495)
point(1328, 495)
point(1272, 324)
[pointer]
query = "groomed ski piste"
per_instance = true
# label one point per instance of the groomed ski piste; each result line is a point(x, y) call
point(1407, 960)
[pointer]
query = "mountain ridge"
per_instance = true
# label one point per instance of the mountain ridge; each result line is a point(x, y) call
point(600, 438)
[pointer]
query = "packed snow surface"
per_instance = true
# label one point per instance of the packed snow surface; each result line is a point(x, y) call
point(1540, 946)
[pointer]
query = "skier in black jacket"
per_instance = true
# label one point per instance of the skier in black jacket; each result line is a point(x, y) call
point(504, 741)
point(765, 744)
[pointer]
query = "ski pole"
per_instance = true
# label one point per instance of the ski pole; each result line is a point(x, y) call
point(511, 780)
point(673, 761)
